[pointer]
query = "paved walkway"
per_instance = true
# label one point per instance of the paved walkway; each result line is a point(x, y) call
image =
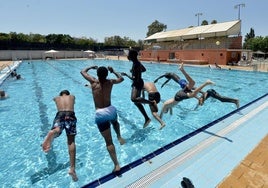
point(252, 171)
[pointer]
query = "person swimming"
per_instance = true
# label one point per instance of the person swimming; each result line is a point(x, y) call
point(3, 94)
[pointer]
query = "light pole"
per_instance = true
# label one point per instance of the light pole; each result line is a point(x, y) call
point(238, 6)
point(198, 14)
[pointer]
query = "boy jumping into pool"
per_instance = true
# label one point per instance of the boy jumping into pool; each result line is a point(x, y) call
point(65, 119)
point(153, 95)
point(186, 92)
point(214, 94)
point(105, 112)
point(137, 85)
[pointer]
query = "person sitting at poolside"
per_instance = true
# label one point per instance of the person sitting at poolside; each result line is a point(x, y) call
point(13, 73)
point(3, 94)
point(168, 75)
point(64, 119)
point(212, 93)
point(186, 92)
point(153, 95)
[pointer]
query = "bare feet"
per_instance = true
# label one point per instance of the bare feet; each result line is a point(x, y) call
point(209, 82)
point(73, 175)
point(116, 170)
point(48, 140)
point(162, 126)
point(121, 140)
point(146, 123)
point(237, 103)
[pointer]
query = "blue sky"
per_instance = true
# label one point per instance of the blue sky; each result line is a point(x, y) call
point(98, 19)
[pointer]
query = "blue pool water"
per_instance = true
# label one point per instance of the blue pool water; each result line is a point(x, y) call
point(26, 117)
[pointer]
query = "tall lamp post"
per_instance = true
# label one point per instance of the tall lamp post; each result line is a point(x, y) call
point(238, 7)
point(198, 14)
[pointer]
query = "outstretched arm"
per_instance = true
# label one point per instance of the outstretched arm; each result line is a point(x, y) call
point(118, 76)
point(156, 80)
point(165, 82)
point(87, 76)
point(125, 74)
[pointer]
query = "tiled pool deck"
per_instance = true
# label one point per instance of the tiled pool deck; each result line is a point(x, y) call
point(207, 157)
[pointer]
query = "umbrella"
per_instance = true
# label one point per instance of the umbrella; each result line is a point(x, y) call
point(259, 53)
point(51, 52)
point(89, 51)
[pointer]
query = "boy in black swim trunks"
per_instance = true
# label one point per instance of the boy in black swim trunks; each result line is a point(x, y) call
point(212, 93)
point(153, 95)
point(65, 119)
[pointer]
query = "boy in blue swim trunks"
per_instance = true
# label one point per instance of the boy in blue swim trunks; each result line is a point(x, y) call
point(64, 119)
point(105, 112)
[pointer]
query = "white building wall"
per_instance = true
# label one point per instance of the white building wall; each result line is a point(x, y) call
point(12, 55)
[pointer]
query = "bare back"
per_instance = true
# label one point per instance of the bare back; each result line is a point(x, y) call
point(150, 87)
point(102, 93)
point(65, 102)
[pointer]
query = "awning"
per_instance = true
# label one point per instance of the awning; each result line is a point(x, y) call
point(204, 31)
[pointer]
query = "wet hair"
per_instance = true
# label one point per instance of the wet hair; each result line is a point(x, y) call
point(66, 92)
point(102, 72)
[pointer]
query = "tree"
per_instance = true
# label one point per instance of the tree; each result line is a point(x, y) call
point(156, 27)
point(114, 41)
point(213, 22)
point(204, 22)
point(37, 38)
point(248, 44)
point(250, 35)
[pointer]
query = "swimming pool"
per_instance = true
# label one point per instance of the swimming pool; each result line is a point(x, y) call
point(27, 115)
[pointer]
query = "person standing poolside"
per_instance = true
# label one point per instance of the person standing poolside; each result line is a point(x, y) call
point(105, 112)
point(187, 91)
point(153, 95)
point(212, 93)
point(137, 85)
point(64, 119)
